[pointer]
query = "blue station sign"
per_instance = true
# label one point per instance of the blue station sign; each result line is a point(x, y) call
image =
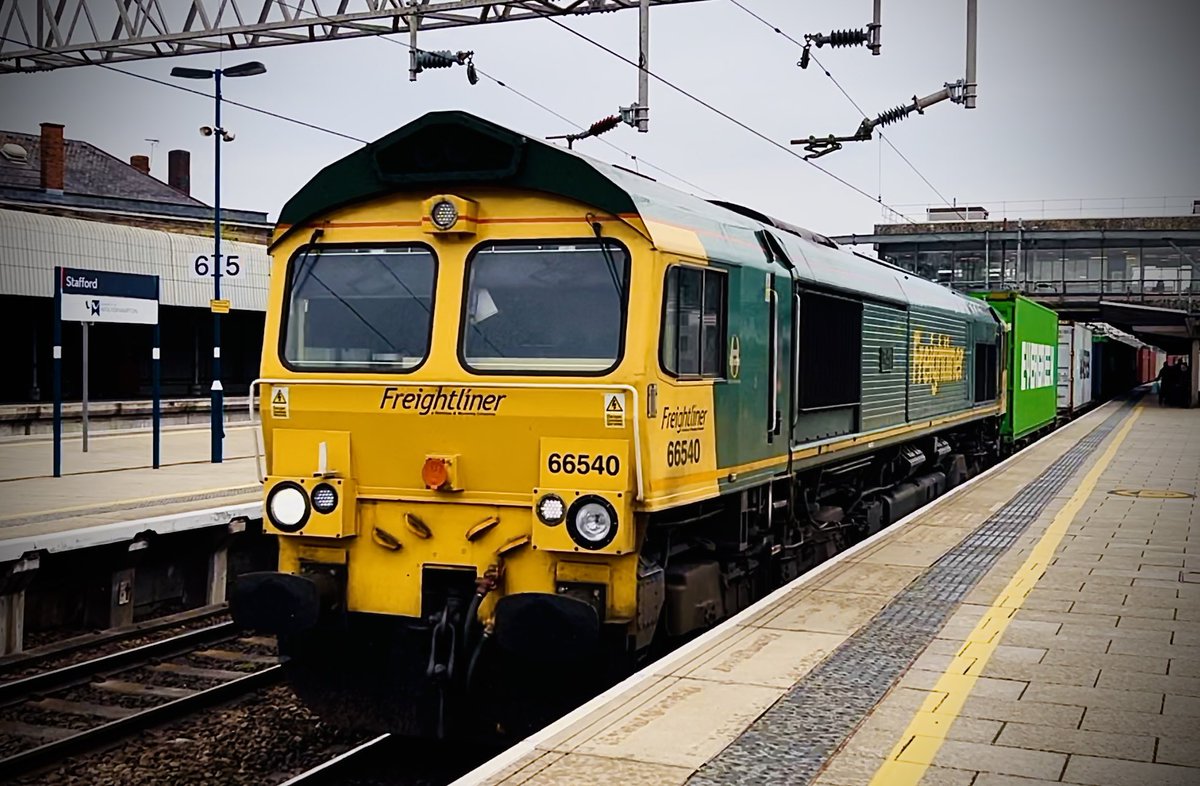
point(105, 296)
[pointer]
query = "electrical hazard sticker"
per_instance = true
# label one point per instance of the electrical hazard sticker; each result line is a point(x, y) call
point(279, 404)
point(614, 410)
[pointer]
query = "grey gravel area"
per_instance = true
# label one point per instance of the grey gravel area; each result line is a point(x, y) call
point(793, 740)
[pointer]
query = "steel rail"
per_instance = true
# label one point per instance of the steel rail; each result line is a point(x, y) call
point(89, 739)
point(67, 676)
point(335, 770)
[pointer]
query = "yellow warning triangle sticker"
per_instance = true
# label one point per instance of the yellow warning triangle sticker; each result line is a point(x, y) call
point(614, 405)
point(279, 398)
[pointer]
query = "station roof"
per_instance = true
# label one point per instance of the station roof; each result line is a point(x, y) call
point(95, 179)
point(88, 171)
point(1183, 229)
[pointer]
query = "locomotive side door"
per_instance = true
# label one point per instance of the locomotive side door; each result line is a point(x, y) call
point(783, 317)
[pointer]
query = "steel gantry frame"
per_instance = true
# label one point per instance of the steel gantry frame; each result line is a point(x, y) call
point(41, 35)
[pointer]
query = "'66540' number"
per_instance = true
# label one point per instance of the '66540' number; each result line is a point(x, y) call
point(681, 452)
point(583, 464)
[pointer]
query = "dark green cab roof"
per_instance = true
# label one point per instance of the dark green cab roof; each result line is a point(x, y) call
point(442, 150)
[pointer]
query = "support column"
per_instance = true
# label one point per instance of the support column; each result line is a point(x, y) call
point(1194, 363)
point(110, 603)
point(12, 623)
point(218, 563)
point(120, 599)
point(218, 575)
point(14, 579)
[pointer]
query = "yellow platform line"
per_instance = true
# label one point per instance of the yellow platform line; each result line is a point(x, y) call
point(921, 741)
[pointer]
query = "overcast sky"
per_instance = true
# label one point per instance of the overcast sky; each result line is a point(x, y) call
point(1077, 99)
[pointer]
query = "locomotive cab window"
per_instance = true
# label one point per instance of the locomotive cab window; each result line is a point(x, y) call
point(693, 328)
point(359, 308)
point(545, 307)
point(830, 351)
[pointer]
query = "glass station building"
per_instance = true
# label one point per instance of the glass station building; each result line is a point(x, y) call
point(1139, 274)
point(1146, 259)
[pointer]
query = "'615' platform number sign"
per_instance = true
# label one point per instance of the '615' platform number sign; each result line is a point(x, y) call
point(203, 265)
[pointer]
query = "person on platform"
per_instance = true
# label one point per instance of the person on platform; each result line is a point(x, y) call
point(1165, 381)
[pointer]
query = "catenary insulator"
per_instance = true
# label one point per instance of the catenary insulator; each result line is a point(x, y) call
point(840, 38)
point(893, 115)
point(440, 58)
point(600, 126)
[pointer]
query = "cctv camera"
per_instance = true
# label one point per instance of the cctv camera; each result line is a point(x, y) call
point(227, 136)
point(206, 131)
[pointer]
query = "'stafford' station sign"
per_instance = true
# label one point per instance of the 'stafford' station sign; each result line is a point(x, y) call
point(103, 296)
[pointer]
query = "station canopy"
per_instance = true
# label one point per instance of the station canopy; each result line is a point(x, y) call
point(32, 244)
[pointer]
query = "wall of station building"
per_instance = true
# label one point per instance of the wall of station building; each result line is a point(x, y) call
point(32, 244)
point(119, 355)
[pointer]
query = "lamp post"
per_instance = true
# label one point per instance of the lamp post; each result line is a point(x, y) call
point(219, 135)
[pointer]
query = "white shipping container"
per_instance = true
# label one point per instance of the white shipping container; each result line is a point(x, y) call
point(1074, 366)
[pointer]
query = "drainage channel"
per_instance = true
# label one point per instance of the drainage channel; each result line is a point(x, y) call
point(794, 739)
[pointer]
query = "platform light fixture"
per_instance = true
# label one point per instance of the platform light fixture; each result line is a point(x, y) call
point(219, 134)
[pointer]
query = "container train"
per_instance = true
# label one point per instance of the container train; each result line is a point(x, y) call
point(526, 416)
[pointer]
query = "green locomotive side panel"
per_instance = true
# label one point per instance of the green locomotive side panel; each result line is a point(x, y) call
point(885, 354)
point(741, 398)
point(1032, 363)
point(939, 361)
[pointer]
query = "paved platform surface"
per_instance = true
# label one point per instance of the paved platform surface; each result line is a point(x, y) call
point(114, 482)
point(1034, 627)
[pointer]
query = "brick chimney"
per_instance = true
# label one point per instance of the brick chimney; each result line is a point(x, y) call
point(52, 156)
point(140, 163)
point(179, 170)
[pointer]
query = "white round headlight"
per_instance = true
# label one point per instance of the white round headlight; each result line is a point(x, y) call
point(444, 214)
point(593, 522)
point(288, 507)
point(551, 509)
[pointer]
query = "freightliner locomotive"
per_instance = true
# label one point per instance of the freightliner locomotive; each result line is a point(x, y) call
point(527, 416)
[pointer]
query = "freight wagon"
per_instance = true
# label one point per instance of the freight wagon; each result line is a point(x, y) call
point(1114, 363)
point(1074, 367)
point(1031, 391)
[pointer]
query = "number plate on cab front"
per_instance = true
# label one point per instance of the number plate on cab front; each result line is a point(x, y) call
point(584, 464)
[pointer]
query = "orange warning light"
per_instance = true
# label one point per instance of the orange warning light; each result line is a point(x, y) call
point(435, 473)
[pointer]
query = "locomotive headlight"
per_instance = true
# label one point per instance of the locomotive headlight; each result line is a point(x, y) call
point(288, 506)
point(551, 509)
point(444, 214)
point(324, 498)
point(592, 522)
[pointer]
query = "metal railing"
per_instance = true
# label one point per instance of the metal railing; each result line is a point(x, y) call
point(1082, 207)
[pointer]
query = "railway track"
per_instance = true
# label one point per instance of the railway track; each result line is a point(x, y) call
point(75, 709)
point(64, 648)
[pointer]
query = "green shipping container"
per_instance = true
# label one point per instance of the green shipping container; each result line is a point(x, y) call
point(1032, 363)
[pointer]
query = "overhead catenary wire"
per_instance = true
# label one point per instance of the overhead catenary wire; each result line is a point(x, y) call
point(194, 91)
point(849, 98)
point(524, 96)
point(716, 110)
point(351, 137)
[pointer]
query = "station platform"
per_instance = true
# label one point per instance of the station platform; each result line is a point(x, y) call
point(114, 482)
point(1039, 624)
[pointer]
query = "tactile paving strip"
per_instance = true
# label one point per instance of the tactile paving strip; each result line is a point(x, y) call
point(794, 739)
